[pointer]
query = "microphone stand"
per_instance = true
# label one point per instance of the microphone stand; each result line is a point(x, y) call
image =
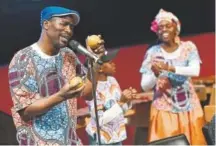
point(93, 80)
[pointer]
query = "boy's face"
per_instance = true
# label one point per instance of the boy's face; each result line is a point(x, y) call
point(108, 68)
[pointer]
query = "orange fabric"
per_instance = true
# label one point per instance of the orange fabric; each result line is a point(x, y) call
point(166, 124)
point(209, 112)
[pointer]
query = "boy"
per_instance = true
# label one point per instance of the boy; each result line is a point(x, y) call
point(111, 105)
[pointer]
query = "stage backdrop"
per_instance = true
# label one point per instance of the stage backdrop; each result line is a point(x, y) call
point(128, 62)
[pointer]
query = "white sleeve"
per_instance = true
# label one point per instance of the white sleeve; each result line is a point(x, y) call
point(192, 70)
point(110, 114)
point(148, 81)
point(194, 61)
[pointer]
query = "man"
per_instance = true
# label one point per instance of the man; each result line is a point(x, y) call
point(45, 103)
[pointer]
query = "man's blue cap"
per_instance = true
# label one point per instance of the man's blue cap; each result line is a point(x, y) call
point(54, 11)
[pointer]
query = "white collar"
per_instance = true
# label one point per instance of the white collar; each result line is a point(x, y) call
point(171, 55)
point(41, 53)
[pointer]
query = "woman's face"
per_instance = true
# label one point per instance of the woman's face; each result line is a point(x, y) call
point(167, 31)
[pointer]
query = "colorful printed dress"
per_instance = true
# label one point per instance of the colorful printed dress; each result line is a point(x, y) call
point(111, 117)
point(179, 111)
point(32, 73)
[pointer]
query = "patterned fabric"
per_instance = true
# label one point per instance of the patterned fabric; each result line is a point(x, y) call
point(107, 94)
point(182, 94)
point(179, 111)
point(34, 75)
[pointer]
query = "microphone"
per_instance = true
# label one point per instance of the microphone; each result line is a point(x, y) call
point(78, 47)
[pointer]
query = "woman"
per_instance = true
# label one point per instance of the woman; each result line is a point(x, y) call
point(167, 68)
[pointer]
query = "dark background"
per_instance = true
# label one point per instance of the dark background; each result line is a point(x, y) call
point(121, 22)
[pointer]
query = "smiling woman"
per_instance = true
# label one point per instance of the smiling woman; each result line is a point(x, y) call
point(167, 69)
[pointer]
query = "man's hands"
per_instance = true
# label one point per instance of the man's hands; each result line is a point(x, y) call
point(72, 90)
point(95, 44)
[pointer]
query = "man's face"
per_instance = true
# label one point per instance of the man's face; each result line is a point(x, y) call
point(60, 30)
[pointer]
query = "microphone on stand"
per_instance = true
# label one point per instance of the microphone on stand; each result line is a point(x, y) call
point(78, 47)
